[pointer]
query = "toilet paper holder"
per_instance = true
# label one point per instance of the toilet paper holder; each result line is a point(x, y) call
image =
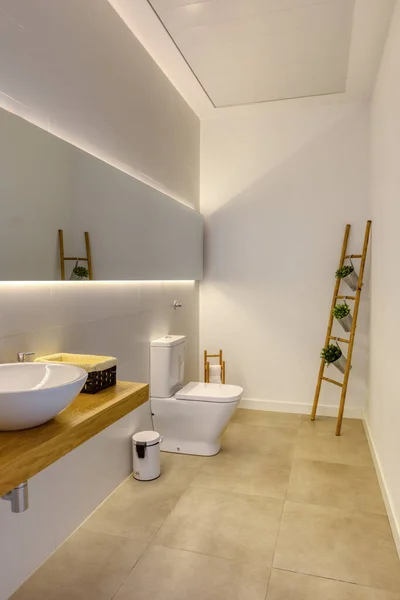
point(207, 366)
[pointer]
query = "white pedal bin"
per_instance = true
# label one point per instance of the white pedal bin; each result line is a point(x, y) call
point(146, 455)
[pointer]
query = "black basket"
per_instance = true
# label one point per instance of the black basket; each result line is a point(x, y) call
point(100, 380)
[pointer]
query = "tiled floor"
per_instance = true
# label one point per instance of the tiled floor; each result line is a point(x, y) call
point(286, 511)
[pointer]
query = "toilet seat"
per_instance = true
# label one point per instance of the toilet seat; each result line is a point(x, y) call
point(210, 392)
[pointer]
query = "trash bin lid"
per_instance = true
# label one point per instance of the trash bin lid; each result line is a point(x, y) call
point(149, 438)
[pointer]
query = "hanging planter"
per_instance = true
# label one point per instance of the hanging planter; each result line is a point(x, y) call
point(348, 274)
point(79, 273)
point(341, 312)
point(333, 355)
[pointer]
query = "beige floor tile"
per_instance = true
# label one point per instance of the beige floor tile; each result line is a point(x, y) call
point(178, 470)
point(218, 521)
point(134, 511)
point(169, 574)
point(253, 474)
point(328, 542)
point(274, 441)
point(223, 524)
point(316, 442)
point(137, 509)
point(328, 425)
point(89, 566)
point(267, 418)
point(285, 585)
point(332, 484)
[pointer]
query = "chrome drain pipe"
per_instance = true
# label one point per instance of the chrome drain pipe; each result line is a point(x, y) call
point(18, 498)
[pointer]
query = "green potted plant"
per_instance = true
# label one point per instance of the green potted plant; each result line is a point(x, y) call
point(333, 355)
point(348, 274)
point(79, 273)
point(341, 312)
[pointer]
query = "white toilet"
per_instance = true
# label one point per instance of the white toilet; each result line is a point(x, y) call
point(190, 418)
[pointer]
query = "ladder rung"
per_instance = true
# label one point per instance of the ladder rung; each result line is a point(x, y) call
point(353, 256)
point(338, 339)
point(332, 381)
point(346, 297)
point(75, 258)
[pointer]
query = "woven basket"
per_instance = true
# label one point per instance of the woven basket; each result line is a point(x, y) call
point(102, 370)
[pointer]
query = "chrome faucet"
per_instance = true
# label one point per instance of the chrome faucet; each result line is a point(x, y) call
point(21, 356)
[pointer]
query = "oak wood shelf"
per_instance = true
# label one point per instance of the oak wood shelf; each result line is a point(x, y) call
point(25, 453)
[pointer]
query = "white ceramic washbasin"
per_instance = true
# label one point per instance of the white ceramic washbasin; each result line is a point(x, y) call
point(33, 393)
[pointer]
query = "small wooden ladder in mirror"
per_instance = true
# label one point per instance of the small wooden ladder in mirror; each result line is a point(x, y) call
point(63, 258)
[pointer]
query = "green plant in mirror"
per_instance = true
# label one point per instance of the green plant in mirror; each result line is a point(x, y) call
point(344, 271)
point(331, 353)
point(81, 272)
point(340, 311)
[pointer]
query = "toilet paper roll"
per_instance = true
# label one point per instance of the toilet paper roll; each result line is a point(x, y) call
point(215, 374)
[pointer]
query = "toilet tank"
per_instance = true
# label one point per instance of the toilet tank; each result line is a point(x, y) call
point(167, 365)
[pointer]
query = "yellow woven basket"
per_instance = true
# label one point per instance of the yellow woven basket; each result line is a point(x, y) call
point(102, 370)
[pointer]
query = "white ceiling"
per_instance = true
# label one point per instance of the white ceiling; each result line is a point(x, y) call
point(245, 51)
point(265, 49)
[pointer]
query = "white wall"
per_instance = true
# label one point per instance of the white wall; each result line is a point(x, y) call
point(62, 496)
point(110, 99)
point(278, 184)
point(76, 69)
point(117, 319)
point(383, 411)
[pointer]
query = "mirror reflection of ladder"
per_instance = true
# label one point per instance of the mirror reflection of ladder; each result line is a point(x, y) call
point(63, 258)
point(349, 341)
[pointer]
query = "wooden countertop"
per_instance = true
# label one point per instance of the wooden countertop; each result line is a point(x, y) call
point(25, 453)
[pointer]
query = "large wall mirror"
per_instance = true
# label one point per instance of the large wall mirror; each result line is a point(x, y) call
point(47, 185)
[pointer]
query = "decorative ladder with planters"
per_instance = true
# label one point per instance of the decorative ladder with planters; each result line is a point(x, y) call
point(331, 354)
point(77, 272)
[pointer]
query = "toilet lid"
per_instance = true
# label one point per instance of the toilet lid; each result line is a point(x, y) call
point(210, 392)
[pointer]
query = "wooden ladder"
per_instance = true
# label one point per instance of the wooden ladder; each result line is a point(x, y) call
point(63, 258)
point(349, 341)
